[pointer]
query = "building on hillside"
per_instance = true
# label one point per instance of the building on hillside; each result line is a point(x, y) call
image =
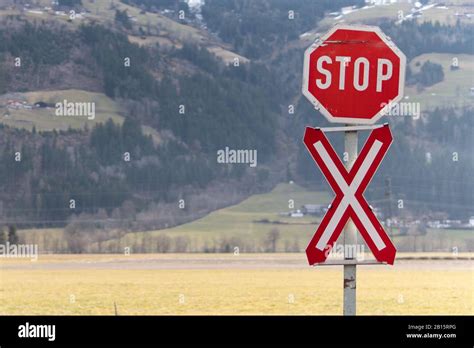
point(42, 104)
point(380, 2)
point(15, 104)
point(313, 209)
point(296, 214)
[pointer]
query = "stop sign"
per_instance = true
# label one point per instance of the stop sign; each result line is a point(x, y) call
point(353, 72)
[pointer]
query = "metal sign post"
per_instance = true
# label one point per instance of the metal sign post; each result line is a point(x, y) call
point(349, 212)
point(350, 233)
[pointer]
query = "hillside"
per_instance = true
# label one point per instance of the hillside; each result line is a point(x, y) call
point(239, 226)
point(147, 28)
point(45, 119)
point(149, 94)
point(178, 89)
point(247, 226)
point(454, 91)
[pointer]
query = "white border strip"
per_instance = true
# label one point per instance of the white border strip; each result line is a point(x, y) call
point(352, 128)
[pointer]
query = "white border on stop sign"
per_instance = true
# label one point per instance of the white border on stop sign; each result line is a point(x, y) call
point(351, 120)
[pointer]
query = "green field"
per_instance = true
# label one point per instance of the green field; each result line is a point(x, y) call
point(448, 15)
point(46, 119)
point(238, 226)
point(453, 91)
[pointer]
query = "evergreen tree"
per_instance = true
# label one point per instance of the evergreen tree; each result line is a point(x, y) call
point(12, 235)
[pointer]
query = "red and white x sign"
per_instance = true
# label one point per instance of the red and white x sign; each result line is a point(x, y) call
point(349, 201)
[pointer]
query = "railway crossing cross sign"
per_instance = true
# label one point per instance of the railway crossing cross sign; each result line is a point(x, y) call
point(349, 202)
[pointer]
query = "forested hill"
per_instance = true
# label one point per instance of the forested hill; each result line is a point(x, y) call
point(201, 107)
point(200, 80)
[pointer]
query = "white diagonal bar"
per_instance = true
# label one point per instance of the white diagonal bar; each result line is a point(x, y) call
point(349, 195)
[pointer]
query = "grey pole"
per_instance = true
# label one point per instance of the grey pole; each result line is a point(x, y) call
point(350, 233)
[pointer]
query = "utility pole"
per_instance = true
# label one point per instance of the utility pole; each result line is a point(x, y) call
point(388, 198)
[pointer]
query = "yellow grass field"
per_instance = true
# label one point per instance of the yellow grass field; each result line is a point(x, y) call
point(156, 284)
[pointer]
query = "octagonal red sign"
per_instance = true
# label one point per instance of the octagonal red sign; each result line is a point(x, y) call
point(353, 74)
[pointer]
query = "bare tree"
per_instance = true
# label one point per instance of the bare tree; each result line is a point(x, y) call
point(181, 244)
point(76, 238)
point(271, 240)
point(163, 243)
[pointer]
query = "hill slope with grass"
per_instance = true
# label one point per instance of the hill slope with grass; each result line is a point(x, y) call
point(146, 28)
point(250, 226)
point(454, 91)
point(45, 119)
point(159, 73)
